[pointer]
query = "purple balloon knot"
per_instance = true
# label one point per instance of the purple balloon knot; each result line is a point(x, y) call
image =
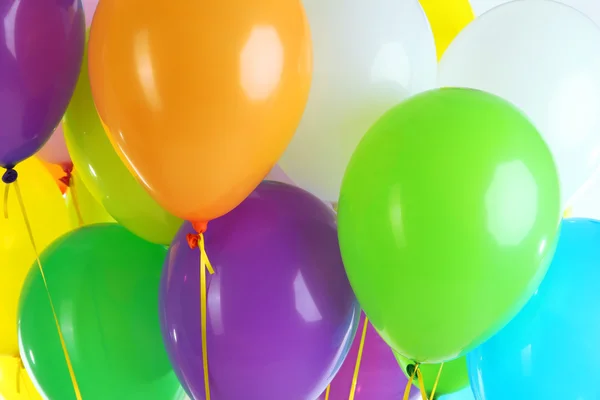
point(10, 175)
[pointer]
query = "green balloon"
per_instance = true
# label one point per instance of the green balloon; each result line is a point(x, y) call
point(104, 283)
point(454, 377)
point(448, 217)
point(105, 175)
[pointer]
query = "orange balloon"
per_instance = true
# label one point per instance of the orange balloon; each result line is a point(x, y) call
point(200, 98)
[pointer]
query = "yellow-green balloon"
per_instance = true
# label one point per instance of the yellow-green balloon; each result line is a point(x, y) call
point(104, 174)
point(83, 208)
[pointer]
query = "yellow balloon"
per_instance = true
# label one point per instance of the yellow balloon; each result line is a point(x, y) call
point(15, 383)
point(83, 207)
point(447, 19)
point(47, 214)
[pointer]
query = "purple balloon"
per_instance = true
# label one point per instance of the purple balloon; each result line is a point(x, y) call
point(281, 313)
point(379, 375)
point(41, 53)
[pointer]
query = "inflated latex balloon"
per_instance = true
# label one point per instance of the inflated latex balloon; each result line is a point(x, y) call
point(200, 98)
point(104, 174)
point(391, 57)
point(559, 326)
point(591, 8)
point(104, 283)
point(543, 57)
point(40, 56)
point(82, 206)
point(281, 314)
point(454, 377)
point(465, 394)
point(48, 217)
point(15, 383)
point(450, 207)
point(89, 8)
point(55, 150)
point(586, 203)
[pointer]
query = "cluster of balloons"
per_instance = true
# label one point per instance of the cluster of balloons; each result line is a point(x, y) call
point(449, 146)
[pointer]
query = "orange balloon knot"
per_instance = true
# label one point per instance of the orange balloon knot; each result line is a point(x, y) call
point(68, 169)
point(192, 239)
point(10, 175)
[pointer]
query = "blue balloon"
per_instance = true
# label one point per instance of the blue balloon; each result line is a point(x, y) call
point(551, 350)
point(465, 394)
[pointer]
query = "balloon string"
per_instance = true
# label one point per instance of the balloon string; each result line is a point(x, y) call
point(410, 382)
point(198, 241)
point(422, 385)
point(327, 392)
point(74, 197)
point(18, 381)
point(358, 359)
point(6, 201)
point(437, 380)
point(41, 269)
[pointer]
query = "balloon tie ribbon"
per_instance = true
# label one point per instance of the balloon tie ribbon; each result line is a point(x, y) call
point(19, 369)
point(327, 391)
point(197, 241)
point(10, 177)
point(416, 373)
point(358, 359)
point(69, 182)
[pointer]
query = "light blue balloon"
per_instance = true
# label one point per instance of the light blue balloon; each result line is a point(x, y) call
point(465, 394)
point(551, 350)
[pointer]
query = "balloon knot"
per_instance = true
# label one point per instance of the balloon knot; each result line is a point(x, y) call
point(10, 175)
point(200, 227)
point(192, 239)
point(68, 170)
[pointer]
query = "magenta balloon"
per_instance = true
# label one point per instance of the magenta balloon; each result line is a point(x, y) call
point(40, 57)
point(379, 376)
point(55, 150)
point(281, 314)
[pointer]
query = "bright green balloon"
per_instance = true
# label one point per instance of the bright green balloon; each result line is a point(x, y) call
point(448, 216)
point(104, 282)
point(454, 377)
point(105, 175)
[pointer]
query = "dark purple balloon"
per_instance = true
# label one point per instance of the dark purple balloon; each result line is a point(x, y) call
point(41, 49)
point(379, 377)
point(281, 314)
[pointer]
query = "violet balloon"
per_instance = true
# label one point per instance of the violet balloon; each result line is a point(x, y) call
point(280, 311)
point(40, 57)
point(379, 376)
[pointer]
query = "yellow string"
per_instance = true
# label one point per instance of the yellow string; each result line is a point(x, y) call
point(6, 201)
point(41, 269)
point(18, 382)
point(75, 202)
point(422, 385)
point(409, 383)
point(358, 360)
point(437, 380)
point(204, 266)
point(327, 392)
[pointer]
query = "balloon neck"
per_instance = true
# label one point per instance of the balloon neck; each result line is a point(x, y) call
point(200, 227)
point(10, 175)
point(68, 170)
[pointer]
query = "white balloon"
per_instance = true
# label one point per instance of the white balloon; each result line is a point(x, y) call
point(589, 7)
point(544, 57)
point(367, 57)
point(586, 203)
